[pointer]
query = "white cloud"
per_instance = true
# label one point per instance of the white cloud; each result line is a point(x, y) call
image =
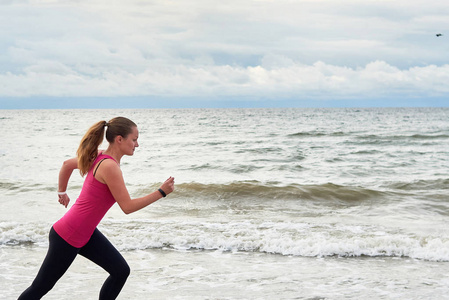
point(319, 80)
point(284, 48)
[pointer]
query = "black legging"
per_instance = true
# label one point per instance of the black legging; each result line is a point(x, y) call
point(60, 256)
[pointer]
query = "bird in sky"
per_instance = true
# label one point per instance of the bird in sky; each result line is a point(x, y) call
point(439, 34)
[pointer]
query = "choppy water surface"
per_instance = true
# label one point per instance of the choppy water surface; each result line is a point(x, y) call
point(340, 194)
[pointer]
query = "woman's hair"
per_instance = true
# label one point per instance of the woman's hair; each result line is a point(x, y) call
point(88, 150)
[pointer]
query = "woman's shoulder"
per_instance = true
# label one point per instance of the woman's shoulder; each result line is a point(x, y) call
point(102, 156)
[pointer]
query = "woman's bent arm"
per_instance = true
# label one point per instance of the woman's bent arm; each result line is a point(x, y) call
point(64, 175)
point(111, 174)
point(66, 171)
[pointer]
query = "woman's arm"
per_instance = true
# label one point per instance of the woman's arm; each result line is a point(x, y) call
point(110, 174)
point(64, 175)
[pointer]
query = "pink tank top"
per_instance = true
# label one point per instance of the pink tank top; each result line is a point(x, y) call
point(79, 222)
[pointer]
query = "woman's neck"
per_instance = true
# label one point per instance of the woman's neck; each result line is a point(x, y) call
point(114, 154)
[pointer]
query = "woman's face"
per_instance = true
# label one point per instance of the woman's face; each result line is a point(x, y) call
point(130, 142)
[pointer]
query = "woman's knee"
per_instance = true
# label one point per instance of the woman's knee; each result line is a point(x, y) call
point(121, 270)
point(126, 270)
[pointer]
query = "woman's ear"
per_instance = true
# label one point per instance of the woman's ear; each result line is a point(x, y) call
point(118, 139)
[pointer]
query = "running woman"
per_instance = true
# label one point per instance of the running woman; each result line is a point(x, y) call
point(76, 232)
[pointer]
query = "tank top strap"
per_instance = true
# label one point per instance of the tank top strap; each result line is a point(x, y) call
point(96, 168)
point(100, 158)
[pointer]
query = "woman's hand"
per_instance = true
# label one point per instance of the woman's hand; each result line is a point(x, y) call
point(169, 185)
point(64, 199)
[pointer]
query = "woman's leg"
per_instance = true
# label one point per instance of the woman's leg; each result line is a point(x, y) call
point(59, 257)
point(100, 251)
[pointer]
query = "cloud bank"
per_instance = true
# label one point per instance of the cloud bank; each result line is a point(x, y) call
point(251, 49)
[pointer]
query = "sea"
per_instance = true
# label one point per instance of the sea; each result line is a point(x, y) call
point(281, 203)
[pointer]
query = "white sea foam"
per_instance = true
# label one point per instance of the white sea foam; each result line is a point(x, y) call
point(288, 239)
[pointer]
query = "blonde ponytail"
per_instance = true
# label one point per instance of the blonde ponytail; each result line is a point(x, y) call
point(88, 149)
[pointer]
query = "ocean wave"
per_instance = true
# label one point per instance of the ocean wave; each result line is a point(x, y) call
point(277, 238)
point(15, 234)
point(317, 134)
point(429, 136)
point(273, 190)
point(242, 190)
point(372, 137)
point(376, 139)
point(23, 186)
point(432, 184)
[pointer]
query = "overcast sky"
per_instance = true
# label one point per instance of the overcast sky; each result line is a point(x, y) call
point(382, 52)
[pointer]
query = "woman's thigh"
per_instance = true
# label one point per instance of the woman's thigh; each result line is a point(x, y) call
point(100, 251)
